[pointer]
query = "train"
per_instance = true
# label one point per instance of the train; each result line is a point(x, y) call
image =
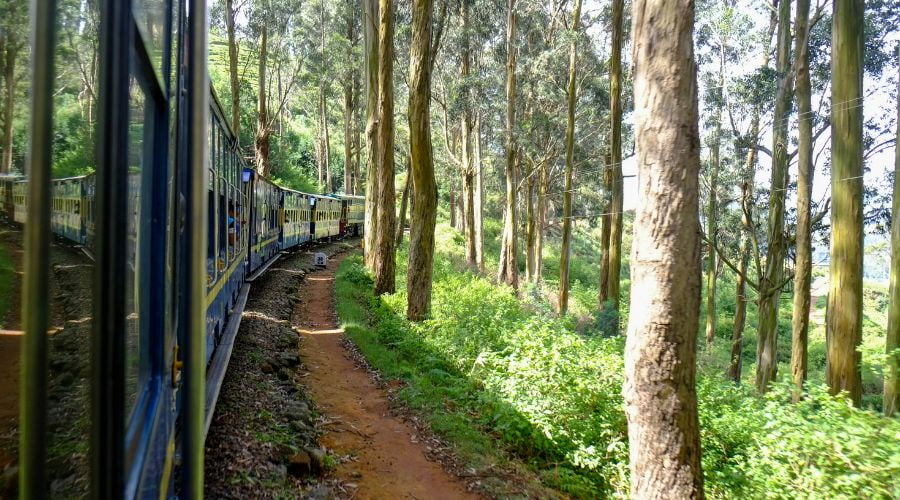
point(167, 301)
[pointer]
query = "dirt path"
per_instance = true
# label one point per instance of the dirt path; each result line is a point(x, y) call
point(387, 461)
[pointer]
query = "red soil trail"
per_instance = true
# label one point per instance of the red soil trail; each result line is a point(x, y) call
point(10, 343)
point(387, 460)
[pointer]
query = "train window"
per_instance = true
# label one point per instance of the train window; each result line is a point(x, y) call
point(211, 231)
point(150, 17)
point(136, 131)
point(223, 227)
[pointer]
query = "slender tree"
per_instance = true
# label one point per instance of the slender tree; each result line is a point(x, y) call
point(404, 202)
point(805, 169)
point(371, 57)
point(659, 389)
point(385, 210)
point(233, 76)
point(263, 132)
point(509, 260)
point(479, 197)
point(570, 164)
point(617, 196)
point(843, 326)
point(605, 221)
point(712, 216)
point(772, 280)
point(748, 230)
point(892, 339)
point(421, 168)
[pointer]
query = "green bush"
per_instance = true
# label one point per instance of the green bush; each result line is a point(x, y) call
point(490, 371)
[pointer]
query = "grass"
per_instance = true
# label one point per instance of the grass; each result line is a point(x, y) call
point(501, 377)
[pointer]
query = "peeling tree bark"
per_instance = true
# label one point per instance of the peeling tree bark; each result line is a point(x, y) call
point(384, 259)
point(660, 371)
point(844, 322)
point(421, 168)
point(370, 37)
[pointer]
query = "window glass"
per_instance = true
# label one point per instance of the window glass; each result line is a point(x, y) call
point(150, 17)
point(136, 129)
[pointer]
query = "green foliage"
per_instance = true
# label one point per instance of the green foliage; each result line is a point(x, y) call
point(489, 370)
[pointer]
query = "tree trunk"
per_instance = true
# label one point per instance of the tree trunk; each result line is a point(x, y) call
point(453, 209)
point(605, 221)
point(740, 310)
point(530, 226)
point(771, 283)
point(892, 339)
point(468, 170)
point(401, 222)
point(570, 161)
point(479, 197)
point(370, 36)
point(712, 215)
point(805, 171)
point(9, 84)
point(747, 228)
point(541, 223)
point(616, 204)
point(348, 135)
point(660, 359)
point(844, 322)
point(468, 196)
point(349, 105)
point(326, 146)
point(509, 258)
point(323, 106)
point(386, 209)
point(230, 14)
point(262, 118)
point(421, 169)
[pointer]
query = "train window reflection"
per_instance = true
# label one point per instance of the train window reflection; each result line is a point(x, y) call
point(150, 18)
point(136, 132)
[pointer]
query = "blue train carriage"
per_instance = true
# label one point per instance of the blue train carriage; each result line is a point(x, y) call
point(89, 187)
point(65, 211)
point(327, 215)
point(295, 218)
point(353, 211)
point(20, 201)
point(228, 232)
point(265, 206)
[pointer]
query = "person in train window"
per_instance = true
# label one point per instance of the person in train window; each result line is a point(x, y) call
point(232, 225)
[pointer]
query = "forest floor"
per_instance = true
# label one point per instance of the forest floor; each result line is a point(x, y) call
point(379, 451)
point(263, 439)
point(10, 339)
point(68, 360)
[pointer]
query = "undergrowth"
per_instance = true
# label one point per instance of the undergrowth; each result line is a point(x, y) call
point(488, 372)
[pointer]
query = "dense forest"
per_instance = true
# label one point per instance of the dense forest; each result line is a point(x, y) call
point(647, 246)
